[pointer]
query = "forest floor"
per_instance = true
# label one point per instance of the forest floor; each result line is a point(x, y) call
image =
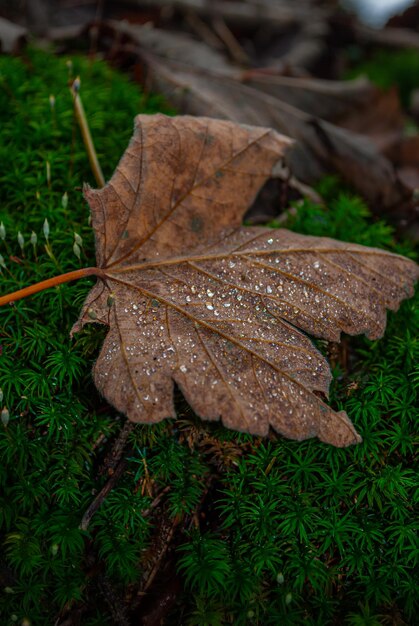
point(186, 522)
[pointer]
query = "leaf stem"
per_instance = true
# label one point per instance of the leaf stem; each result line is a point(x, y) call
point(50, 282)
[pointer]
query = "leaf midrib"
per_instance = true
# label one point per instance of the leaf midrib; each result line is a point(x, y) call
point(229, 254)
point(178, 203)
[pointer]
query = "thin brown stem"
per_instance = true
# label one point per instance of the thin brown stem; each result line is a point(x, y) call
point(115, 467)
point(50, 282)
point(87, 137)
point(101, 496)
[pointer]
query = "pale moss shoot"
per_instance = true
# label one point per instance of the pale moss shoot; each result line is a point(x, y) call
point(45, 229)
point(21, 240)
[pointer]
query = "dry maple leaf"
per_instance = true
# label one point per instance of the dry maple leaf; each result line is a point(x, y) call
point(193, 297)
point(320, 146)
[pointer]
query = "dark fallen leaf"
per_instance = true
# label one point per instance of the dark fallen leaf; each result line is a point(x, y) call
point(12, 36)
point(279, 14)
point(194, 298)
point(343, 127)
point(357, 105)
point(321, 147)
point(331, 100)
point(176, 46)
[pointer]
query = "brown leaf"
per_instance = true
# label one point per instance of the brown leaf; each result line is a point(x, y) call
point(264, 13)
point(12, 36)
point(343, 127)
point(321, 147)
point(357, 105)
point(354, 104)
point(193, 297)
point(176, 46)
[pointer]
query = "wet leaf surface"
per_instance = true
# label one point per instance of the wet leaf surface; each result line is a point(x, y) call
point(192, 297)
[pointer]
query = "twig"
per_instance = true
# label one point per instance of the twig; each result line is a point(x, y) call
point(159, 560)
point(50, 282)
point(230, 41)
point(118, 447)
point(85, 131)
point(156, 501)
point(115, 468)
point(98, 501)
point(203, 31)
point(389, 37)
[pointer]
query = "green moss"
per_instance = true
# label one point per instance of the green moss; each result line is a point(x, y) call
point(389, 68)
point(49, 449)
point(289, 533)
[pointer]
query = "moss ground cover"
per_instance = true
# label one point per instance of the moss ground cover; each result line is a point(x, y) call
point(389, 68)
point(261, 531)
